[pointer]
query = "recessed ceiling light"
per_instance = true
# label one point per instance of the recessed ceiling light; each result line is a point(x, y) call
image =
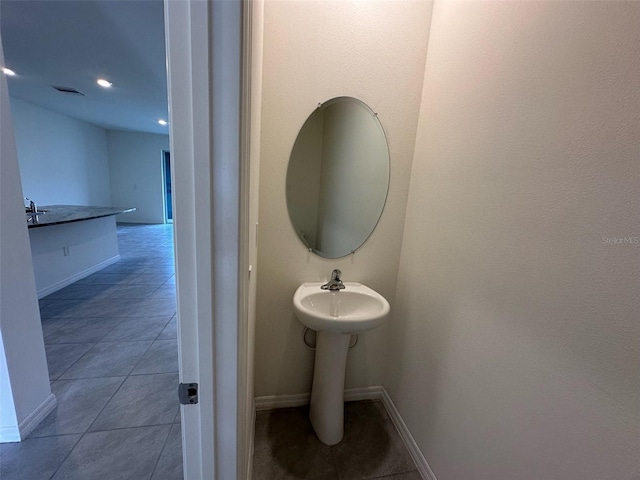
point(104, 83)
point(8, 71)
point(162, 122)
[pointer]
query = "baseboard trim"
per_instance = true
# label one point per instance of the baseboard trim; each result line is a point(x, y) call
point(75, 277)
point(418, 458)
point(35, 417)
point(9, 434)
point(272, 402)
point(364, 393)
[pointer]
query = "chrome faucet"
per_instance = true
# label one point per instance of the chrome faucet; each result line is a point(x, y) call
point(32, 208)
point(335, 284)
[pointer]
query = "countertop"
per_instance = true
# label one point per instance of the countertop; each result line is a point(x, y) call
point(57, 214)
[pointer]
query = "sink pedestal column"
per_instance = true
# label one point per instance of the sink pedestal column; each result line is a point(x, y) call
point(327, 394)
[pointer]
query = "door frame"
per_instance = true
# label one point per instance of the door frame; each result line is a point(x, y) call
point(207, 49)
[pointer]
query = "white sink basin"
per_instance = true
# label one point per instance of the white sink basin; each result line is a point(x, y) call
point(353, 310)
point(335, 315)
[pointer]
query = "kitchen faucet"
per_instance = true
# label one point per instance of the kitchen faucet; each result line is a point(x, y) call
point(32, 208)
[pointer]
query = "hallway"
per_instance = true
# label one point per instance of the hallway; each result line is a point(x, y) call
point(111, 347)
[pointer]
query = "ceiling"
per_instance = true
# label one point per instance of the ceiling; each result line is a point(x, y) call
point(73, 43)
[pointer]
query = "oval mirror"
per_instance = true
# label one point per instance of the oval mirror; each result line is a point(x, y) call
point(338, 177)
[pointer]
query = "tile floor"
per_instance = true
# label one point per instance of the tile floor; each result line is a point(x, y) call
point(113, 361)
point(111, 345)
point(287, 448)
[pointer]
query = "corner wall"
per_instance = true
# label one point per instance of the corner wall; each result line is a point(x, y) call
point(515, 346)
point(314, 51)
point(63, 161)
point(135, 170)
point(25, 393)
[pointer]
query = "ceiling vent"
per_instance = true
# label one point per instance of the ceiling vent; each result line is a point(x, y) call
point(68, 90)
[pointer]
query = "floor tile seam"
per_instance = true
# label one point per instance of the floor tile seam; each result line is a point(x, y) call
point(123, 341)
point(87, 432)
point(72, 319)
point(154, 373)
point(160, 332)
point(80, 343)
point(169, 424)
point(77, 360)
point(89, 378)
point(102, 376)
point(66, 456)
point(55, 330)
point(140, 359)
point(111, 330)
point(136, 341)
point(107, 402)
point(149, 374)
point(164, 445)
point(89, 316)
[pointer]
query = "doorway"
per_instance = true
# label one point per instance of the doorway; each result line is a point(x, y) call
point(109, 336)
point(195, 30)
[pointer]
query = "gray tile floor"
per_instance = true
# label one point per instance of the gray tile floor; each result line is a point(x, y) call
point(113, 363)
point(287, 448)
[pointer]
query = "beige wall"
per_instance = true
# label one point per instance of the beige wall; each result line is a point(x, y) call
point(515, 349)
point(314, 51)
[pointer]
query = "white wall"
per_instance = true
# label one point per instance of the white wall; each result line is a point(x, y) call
point(63, 161)
point(314, 51)
point(24, 365)
point(516, 336)
point(135, 170)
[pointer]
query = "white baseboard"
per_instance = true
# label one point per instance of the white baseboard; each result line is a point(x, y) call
point(271, 402)
point(418, 458)
point(9, 434)
point(364, 393)
point(34, 418)
point(20, 432)
point(78, 276)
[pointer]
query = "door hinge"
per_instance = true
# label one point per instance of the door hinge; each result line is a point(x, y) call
point(188, 393)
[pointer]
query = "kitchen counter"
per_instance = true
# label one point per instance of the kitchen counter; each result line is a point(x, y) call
point(58, 214)
point(78, 241)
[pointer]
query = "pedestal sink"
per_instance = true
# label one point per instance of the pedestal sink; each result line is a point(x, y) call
point(335, 315)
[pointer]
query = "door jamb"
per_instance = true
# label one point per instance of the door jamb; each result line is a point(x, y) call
point(204, 61)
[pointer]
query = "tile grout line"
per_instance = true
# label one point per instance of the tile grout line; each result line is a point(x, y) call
point(66, 456)
point(121, 320)
point(164, 445)
point(70, 366)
